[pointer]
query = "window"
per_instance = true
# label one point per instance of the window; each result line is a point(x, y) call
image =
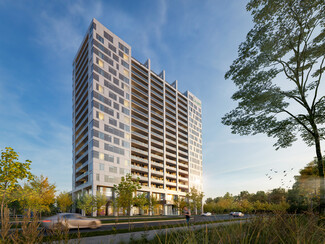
point(97, 177)
point(99, 38)
point(100, 89)
point(100, 116)
point(116, 141)
point(127, 136)
point(126, 162)
point(117, 160)
point(100, 63)
point(101, 166)
point(125, 64)
point(108, 36)
point(125, 57)
point(123, 48)
point(112, 169)
point(126, 120)
point(126, 103)
point(112, 95)
point(126, 72)
point(125, 111)
point(101, 156)
point(106, 178)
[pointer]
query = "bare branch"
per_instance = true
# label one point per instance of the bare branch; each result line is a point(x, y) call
point(318, 82)
point(299, 121)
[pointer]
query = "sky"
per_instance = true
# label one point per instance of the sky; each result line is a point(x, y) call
point(195, 42)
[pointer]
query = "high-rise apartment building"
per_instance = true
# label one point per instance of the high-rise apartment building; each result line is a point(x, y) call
point(128, 119)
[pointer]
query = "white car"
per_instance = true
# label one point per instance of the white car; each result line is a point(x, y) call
point(70, 221)
point(237, 214)
point(206, 214)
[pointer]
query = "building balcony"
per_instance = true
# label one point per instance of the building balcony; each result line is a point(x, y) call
point(157, 94)
point(157, 87)
point(139, 98)
point(136, 89)
point(139, 127)
point(156, 172)
point(182, 165)
point(182, 140)
point(140, 177)
point(157, 156)
point(153, 148)
point(183, 178)
point(145, 108)
point(137, 134)
point(134, 66)
point(138, 168)
point(173, 176)
point(182, 158)
point(157, 82)
point(82, 176)
point(139, 159)
point(183, 171)
point(155, 180)
point(81, 167)
point(170, 183)
point(136, 142)
point(156, 164)
point(139, 151)
point(171, 168)
point(157, 135)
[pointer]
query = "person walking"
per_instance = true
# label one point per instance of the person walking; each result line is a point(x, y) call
point(187, 214)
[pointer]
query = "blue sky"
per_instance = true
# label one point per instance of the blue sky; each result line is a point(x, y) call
point(194, 41)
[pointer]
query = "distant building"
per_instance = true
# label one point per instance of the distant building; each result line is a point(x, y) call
point(128, 119)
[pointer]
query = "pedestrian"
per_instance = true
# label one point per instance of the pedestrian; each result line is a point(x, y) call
point(187, 214)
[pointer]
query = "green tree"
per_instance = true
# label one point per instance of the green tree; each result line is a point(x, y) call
point(86, 202)
point(140, 200)
point(125, 191)
point(152, 203)
point(180, 203)
point(259, 196)
point(100, 200)
point(195, 197)
point(39, 194)
point(305, 191)
point(278, 73)
point(276, 196)
point(64, 201)
point(11, 171)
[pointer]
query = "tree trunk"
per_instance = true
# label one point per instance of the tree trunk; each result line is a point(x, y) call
point(320, 165)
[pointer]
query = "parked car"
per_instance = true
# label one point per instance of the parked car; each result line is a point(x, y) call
point(206, 214)
point(237, 214)
point(71, 221)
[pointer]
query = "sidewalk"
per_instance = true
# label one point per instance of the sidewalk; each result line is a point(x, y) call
point(151, 234)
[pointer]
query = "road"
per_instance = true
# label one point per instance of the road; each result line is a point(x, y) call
point(155, 223)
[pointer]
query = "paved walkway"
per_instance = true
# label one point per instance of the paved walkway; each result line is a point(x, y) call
point(151, 234)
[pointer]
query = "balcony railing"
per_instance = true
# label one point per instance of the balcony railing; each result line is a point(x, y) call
point(139, 143)
point(139, 159)
point(139, 127)
point(82, 176)
point(143, 72)
point(139, 168)
point(83, 165)
point(139, 151)
point(140, 105)
point(139, 97)
point(157, 164)
point(139, 90)
point(140, 135)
